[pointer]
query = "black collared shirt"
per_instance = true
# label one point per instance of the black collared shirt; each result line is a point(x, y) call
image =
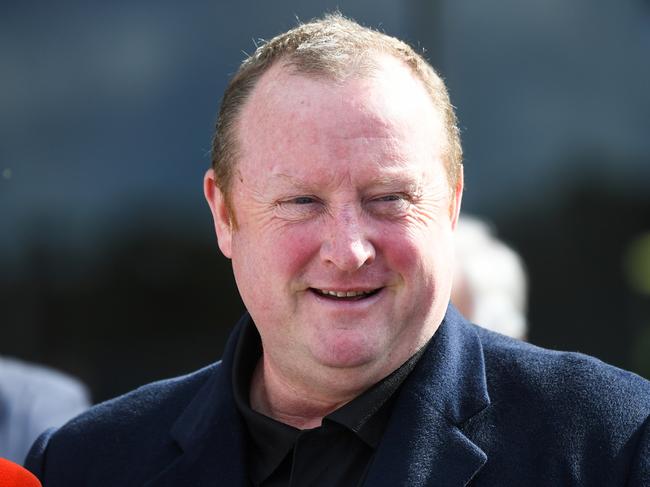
point(337, 453)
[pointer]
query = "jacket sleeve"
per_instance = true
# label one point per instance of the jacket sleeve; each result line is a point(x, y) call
point(35, 461)
point(640, 467)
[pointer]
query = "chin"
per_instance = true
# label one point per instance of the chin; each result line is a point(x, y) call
point(346, 350)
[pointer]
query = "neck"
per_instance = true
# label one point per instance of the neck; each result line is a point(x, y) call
point(297, 405)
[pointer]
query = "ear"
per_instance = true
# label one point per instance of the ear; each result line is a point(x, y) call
point(220, 213)
point(457, 197)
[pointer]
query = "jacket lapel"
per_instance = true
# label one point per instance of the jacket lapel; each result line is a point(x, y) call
point(424, 444)
point(210, 434)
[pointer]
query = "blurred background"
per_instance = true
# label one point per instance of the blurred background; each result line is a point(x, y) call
point(109, 268)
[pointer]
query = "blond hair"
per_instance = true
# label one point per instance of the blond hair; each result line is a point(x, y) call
point(333, 47)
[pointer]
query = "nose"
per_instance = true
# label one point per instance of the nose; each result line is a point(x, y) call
point(347, 245)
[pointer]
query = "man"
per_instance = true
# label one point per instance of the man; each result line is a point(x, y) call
point(33, 398)
point(335, 190)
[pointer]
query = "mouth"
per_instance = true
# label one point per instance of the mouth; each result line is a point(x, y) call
point(339, 295)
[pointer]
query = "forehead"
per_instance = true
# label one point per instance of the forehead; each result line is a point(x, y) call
point(388, 91)
point(386, 113)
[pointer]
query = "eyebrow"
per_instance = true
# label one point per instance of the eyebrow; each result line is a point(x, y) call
point(391, 180)
point(398, 178)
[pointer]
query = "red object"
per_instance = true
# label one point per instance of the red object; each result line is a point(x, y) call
point(13, 475)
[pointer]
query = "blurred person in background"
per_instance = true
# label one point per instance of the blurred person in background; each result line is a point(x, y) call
point(335, 189)
point(490, 281)
point(32, 399)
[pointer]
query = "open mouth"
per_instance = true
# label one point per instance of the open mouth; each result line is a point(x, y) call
point(345, 295)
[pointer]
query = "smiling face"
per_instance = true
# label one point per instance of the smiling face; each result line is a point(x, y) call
point(342, 251)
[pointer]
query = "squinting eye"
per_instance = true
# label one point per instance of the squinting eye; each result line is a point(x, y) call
point(302, 200)
point(299, 208)
point(390, 205)
point(390, 197)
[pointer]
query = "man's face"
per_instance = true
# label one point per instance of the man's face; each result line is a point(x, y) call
point(342, 252)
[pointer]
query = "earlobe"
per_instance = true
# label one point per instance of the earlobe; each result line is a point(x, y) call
point(220, 213)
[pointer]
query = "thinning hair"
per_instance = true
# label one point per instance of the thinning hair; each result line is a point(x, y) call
point(333, 47)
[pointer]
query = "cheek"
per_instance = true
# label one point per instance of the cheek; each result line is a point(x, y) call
point(405, 246)
point(293, 251)
point(274, 256)
point(402, 255)
point(423, 258)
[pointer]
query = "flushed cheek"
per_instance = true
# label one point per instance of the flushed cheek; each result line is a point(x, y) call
point(422, 262)
point(402, 255)
point(283, 255)
point(294, 251)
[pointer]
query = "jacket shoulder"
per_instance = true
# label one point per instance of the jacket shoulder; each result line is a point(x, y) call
point(579, 418)
point(130, 431)
point(157, 402)
point(561, 377)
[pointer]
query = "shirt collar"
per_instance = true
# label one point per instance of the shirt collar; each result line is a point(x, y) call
point(366, 416)
point(271, 440)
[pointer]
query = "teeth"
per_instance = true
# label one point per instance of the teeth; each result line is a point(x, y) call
point(344, 294)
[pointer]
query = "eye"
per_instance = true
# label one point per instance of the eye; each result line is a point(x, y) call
point(390, 197)
point(298, 207)
point(302, 200)
point(390, 205)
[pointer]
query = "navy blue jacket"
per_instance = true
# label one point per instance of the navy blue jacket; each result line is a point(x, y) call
point(479, 409)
